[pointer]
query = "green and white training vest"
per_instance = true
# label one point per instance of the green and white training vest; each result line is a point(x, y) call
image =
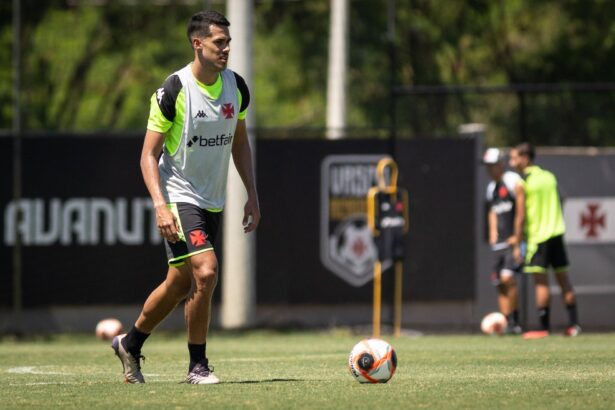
point(195, 171)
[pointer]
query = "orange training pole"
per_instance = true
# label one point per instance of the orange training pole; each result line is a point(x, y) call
point(377, 298)
point(398, 296)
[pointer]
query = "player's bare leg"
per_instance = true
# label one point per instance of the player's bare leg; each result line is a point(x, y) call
point(543, 298)
point(509, 290)
point(569, 297)
point(204, 274)
point(158, 305)
point(566, 287)
point(197, 310)
point(511, 287)
point(164, 298)
point(503, 301)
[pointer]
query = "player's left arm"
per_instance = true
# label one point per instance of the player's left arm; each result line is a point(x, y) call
point(242, 157)
point(519, 213)
point(517, 238)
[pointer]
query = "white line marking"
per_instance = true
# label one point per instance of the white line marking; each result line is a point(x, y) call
point(40, 383)
point(32, 370)
point(587, 289)
point(284, 358)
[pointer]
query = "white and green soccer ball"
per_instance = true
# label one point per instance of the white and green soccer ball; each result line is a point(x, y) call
point(372, 361)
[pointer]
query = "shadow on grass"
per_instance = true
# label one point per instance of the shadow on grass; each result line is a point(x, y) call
point(263, 381)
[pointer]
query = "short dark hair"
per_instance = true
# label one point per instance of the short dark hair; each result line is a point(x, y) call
point(200, 22)
point(527, 150)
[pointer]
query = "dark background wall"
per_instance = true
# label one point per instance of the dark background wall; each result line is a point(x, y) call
point(92, 167)
point(6, 191)
point(439, 175)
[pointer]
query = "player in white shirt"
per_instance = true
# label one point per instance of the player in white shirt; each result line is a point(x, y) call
point(505, 249)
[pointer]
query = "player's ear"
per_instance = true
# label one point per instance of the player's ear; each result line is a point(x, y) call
point(196, 43)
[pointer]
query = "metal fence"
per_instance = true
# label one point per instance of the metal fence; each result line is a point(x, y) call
point(575, 114)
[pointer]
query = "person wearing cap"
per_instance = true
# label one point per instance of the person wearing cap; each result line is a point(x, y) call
point(504, 245)
point(543, 228)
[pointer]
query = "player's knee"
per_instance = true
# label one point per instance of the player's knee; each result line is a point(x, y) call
point(205, 276)
point(508, 280)
point(565, 286)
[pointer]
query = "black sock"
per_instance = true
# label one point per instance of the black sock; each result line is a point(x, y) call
point(513, 318)
point(197, 353)
point(134, 341)
point(572, 314)
point(543, 315)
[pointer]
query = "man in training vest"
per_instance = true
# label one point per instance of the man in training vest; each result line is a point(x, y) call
point(505, 248)
point(196, 123)
point(544, 233)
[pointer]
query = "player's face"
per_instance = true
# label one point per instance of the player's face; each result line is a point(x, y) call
point(495, 171)
point(214, 50)
point(517, 162)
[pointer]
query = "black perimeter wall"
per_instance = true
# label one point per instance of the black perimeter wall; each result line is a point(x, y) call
point(439, 175)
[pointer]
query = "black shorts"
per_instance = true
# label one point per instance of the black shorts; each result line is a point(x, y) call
point(503, 264)
point(551, 253)
point(198, 229)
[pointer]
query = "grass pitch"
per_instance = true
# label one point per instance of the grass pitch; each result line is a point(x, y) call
point(280, 370)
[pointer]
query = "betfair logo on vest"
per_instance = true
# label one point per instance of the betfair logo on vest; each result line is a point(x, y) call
point(200, 114)
point(218, 140)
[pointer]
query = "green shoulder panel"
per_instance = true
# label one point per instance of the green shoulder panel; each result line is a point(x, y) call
point(242, 114)
point(243, 95)
point(172, 130)
point(157, 121)
point(173, 136)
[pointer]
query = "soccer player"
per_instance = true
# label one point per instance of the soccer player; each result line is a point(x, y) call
point(504, 244)
point(196, 123)
point(544, 230)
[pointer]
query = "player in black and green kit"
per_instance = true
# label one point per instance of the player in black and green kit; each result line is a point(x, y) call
point(196, 125)
point(544, 235)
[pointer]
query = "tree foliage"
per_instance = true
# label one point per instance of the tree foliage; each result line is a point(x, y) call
point(93, 68)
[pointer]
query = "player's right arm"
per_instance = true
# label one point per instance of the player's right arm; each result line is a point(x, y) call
point(162, 114)
point(165, 220)
point(161, 119)
point(493, 228)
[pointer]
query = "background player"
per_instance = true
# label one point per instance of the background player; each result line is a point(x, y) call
point(544, 230)
point(504, 245)
point(196, 122)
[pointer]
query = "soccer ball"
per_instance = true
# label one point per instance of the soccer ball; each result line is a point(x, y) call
point(107, 329)
point(372, 361)
point(494, 323)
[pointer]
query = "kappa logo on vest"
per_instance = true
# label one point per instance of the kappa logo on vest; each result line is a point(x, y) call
point(200, 114)
point(193, 140)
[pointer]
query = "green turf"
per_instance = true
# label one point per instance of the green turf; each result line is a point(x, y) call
point(269, 370)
